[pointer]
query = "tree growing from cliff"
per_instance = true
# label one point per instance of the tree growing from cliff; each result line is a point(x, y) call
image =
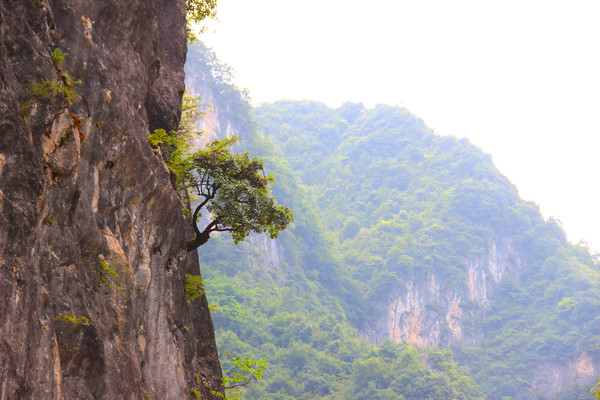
point(232, 187)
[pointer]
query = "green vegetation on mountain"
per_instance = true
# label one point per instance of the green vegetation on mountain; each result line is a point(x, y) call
point(404, 202)
point(382, 203)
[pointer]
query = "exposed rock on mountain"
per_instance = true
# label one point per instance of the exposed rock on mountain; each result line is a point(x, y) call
point(92, 236)
point(427, 315)
point(551, 378)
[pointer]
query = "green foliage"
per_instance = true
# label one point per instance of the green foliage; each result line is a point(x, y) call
point(64, 316)
point(196, 11)
point(566, 305)
point(311, 349)
point(53, 90)
point(427, 204)
point(50, 88)
point(296, 313)
point(195, 393)
point(58, 57)
point(105, 273)
point(234, 189)
point(193, 287)
point(106, 270)
point(382, 202)
point(175, 145)
point(239, 373)
point(67, 138)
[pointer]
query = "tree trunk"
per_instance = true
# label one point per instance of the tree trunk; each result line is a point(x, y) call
point(198, 241)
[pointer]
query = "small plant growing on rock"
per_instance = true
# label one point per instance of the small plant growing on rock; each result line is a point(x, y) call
point(107, 271)
point(53, 90)
point(106, 274)
point(195, 393)
point(193, 287)
point(67, 138)
point(58, 57)
point(63, 316)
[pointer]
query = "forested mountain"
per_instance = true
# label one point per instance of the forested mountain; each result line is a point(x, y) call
point(413, 269)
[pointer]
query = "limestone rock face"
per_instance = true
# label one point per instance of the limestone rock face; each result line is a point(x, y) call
point(549, 378)
point(92, 235)
point(431, 313)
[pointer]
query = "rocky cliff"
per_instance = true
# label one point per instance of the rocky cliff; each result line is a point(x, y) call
point(430, 313)
point(92, 236)
point(216, 122)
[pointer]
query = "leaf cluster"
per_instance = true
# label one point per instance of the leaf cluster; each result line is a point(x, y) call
point(64, 316)
point(175, 145)
point(194, 287)
point(196, 11)
point(240, 372)
point(58, 56)
point(51, 90)
point(234, 188)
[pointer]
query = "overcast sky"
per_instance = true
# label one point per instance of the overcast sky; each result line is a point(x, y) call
point(520, 79)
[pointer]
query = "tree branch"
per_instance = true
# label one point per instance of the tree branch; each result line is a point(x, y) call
point(201, 237)
point(239, 384)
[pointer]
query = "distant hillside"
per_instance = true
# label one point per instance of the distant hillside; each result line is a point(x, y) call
point(448, 252)
point(401, 235)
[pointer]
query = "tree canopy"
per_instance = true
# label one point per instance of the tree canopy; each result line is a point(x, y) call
point(195, 12)
point(234, 189)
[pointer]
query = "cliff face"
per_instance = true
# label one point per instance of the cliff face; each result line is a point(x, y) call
point(214, 123)
point(550, 378)
point(429, 313)
point(92, 237)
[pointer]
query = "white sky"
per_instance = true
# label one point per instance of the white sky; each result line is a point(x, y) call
point(520, 79)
